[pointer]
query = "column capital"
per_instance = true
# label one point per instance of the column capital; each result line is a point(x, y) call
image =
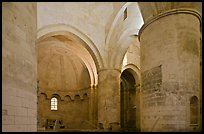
point(167, 13)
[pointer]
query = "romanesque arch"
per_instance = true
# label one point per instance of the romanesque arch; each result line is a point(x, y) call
point(92, 62)
point(130, 104)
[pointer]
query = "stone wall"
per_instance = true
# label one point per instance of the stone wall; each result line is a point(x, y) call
point(19, 67)
point(89, 17)
point(170, 63)
point(133, 53)
point(73, 111)
point(63, 73)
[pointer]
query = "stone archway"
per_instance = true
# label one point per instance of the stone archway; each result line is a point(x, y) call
point(93, 62)
point(128, 101)
point(74, 59)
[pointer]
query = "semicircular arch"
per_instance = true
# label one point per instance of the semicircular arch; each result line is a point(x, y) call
point(71, 32)
point(134, 70)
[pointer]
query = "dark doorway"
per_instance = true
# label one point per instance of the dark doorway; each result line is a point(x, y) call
point(128, 101)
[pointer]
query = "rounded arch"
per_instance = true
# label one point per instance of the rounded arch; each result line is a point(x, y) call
point(113, 25)
point(56, 96)
point(122, 50)
point(128, 77)
point(43, 95)
point(194, 110)
point(57, 29)
point(193, 99)
point(77, 97)
point(128, 98)
point(54, 103)
point(71, 51)
point(85, 96)
point(134, 70)
point(72, 32)
point(127, 35)
point(68, 98)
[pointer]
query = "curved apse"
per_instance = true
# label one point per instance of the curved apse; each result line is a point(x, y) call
point(59, 65)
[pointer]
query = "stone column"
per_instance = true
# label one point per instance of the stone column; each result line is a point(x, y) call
point(19, 67)
point(170, 70)
point(92, 111)
point(109, 99)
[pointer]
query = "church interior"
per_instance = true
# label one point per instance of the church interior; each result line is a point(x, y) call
point(102, 66)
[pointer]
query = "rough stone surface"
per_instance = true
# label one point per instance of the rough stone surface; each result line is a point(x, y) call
point(73, 113)
point(109, 98)
point(78, 58)
point(176, 55)
point(19, 89)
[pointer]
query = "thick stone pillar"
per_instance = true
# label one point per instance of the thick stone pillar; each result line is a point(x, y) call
point(19, 67)
point(109, 99)
point(170, 70)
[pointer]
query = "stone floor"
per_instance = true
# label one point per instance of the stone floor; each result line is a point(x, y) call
point(86, 130)
point(72, 130)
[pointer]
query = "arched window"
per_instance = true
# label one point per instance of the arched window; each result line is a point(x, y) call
point(194, 110)
point(54, 103)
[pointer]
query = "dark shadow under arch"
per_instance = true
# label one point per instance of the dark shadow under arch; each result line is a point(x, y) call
point(128, 101)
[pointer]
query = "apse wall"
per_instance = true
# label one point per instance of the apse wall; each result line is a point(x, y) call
point(60, 69)
point(72, 112)
point(62, 74)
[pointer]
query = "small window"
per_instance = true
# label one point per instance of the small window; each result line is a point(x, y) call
point(194, 110)
point(125, 14)
point(54, 103)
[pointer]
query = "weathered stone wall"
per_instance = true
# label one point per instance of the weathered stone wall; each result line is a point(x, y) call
point(133, 53)
point(170, 63)
point(109, 99)
point(151, 9)
point(19, 67)
point(72, 110)
point(61, 71)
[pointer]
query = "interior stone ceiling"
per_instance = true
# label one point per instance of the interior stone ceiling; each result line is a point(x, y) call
point(59, 68)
